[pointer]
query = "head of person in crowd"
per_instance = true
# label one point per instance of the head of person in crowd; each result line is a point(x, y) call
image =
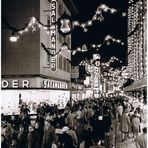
point(13, 143)
point(95, 141)
point(47, 123)
point(3, 122)
point(7, 130)
point(21, 128)
point(37, 125)
point(31, 128)
point(144, 130)
point(12, 117)
point(65, 129)
point(126, 112)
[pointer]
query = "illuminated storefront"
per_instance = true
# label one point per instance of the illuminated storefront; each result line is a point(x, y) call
point(32, 97)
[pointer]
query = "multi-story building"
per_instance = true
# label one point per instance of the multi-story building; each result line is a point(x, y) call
point(137, 45)
point(25, 63)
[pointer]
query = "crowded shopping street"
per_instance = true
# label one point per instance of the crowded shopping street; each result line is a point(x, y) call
point(73, 74)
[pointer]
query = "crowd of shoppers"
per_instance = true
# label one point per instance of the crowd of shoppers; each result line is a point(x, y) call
point(83, 124)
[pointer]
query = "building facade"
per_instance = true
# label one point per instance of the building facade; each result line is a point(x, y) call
point(137, 47)
point(25, 63)
point(137, 42)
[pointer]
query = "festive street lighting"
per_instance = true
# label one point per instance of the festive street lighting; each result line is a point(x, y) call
point(14, 37)
point(65, 24)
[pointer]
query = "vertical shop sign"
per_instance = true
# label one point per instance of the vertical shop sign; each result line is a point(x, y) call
point(53, 61)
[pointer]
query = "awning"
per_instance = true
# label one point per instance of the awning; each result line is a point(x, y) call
point(138, 84)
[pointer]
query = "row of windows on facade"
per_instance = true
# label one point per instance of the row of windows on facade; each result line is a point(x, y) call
point(62, 63)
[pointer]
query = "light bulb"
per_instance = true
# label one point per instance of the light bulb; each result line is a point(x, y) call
point(45, 28)
point(13, 38)
point(89, 23)
point(20, 32)
point(33, 20)
point(113, 11)
point(85, 30)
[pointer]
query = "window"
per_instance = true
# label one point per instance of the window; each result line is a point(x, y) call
point(68, 41)
point(60, 38)
point(48, 58)
point(60, 9)
point(48, 20)
point(68, 66)
point(60, 62)
point(64, 64)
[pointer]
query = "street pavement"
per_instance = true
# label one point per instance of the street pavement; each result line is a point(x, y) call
point(130, 143)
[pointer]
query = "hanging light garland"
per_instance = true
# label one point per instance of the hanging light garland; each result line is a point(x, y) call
point(97, 17)
point(106, 41)
point(34, 24)
point(103, 64)
point(48, 50)
point(84, 47)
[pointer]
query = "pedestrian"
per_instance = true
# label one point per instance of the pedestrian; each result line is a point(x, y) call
point(33, 138)
point(4, 143)
point(66, 139)
point(72, 133)
point(49, 134)
point(135, 125)
point(119, 111)
point(124, 125)
point(141, 141)
point(21, 137)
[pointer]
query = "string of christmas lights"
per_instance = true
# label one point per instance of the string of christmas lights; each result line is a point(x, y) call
point(84, 48)
point(34, 23)
point(97, 17)
point(107, 41)
point(103, 64)
point(48, 50)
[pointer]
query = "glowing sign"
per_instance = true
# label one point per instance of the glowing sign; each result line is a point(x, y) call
point(53, 61)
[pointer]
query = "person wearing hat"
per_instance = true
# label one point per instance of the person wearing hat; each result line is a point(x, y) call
point(22, 137)
point(49, 134)
point(72, 133)
point(66, 139)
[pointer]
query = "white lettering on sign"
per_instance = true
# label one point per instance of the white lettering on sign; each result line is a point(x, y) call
point(53, 61)
point(15, 84)
point(54, 84)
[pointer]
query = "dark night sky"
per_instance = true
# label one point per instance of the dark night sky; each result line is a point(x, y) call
point(113, 24)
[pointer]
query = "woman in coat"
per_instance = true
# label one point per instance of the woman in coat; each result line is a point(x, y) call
point(135, 125)
point(124, 125)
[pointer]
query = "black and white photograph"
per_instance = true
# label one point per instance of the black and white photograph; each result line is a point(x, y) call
point(73, 74)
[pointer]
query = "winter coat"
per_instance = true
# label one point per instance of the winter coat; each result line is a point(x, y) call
point(33, 140)
point(124, 123)
point(49, 137)
point(136, 124)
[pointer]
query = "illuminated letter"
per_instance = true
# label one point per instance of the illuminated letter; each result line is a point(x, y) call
point(5, 84)
point(25, 84)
